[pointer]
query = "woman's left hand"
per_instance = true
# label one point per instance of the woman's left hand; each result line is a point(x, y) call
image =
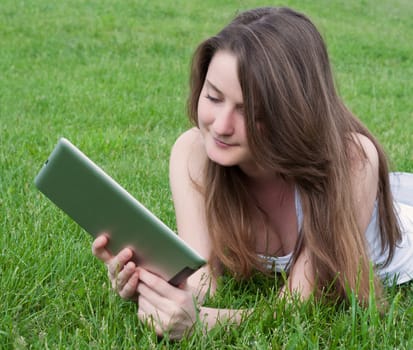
point(166, 308)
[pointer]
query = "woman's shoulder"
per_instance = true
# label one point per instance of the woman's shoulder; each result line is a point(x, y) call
point(362, 149)
point(188, 152)
point(189, 138)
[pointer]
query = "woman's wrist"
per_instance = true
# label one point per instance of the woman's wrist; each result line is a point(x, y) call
point(210, 316)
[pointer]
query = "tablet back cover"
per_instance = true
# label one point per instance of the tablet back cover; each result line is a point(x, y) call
point(99, 204)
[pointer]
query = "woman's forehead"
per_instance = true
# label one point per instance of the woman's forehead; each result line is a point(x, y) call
point(222, 76)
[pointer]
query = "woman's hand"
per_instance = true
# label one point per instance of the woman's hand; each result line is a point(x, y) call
point(122, 272)
point(167, 309)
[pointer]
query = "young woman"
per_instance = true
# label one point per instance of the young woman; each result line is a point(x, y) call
point(276, 174)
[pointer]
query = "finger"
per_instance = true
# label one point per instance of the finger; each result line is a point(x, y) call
point(129, 289)
point(157, 284)
point(162, 303)
point(167, 315)
point(99, 248)
point(122, 277)
point(116, 264)
point(159, 290)
point(151, 295)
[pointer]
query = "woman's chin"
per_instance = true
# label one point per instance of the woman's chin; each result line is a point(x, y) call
point(220, 160)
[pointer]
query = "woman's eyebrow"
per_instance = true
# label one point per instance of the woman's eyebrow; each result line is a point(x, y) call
point(218, 91)
point(213, 87)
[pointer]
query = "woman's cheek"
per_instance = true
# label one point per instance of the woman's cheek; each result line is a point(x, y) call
point(203, 113)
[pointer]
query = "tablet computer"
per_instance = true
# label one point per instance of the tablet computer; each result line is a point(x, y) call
point(99, 204)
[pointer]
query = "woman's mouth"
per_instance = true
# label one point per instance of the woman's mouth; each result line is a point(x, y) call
point(223, 144)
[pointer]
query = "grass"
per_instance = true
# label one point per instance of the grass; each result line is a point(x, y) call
point(112, 77)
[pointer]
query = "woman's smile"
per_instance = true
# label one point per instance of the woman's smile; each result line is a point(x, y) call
point(223, 144)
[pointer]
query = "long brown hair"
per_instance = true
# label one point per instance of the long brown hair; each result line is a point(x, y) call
point(297, 126)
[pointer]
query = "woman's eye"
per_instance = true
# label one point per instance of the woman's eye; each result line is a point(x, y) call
point(212, 98)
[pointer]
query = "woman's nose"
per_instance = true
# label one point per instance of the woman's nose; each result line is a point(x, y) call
point(224, 122)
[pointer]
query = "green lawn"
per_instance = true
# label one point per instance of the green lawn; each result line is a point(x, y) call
point(111, 75)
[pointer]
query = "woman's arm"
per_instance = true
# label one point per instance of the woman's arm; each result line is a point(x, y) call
point(175, 311)
point(187, 163)
point(364, 182)
point(167, 308)
point(364, 179)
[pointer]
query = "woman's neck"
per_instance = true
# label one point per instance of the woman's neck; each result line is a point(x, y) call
point(255, 173)
point(269, 187)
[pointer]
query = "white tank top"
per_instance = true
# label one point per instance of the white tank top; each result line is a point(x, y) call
point(400, 269)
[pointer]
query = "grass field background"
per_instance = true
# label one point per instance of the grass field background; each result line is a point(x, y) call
point(112, 77)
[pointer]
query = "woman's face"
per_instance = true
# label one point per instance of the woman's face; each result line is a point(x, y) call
point(221, 114)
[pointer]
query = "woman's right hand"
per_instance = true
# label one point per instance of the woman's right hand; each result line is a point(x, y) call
point(122, 272)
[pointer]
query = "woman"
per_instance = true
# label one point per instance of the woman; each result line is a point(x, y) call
point(277, 173)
